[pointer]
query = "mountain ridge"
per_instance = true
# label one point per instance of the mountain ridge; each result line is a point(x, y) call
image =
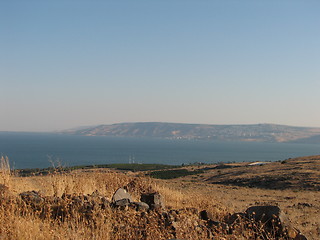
point(262, 132)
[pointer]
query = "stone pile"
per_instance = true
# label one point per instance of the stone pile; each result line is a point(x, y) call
point(154, 200)
point(122, 199)
point(268, 222)
point(67, 205)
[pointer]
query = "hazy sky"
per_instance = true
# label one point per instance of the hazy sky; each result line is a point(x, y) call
point(71, 63)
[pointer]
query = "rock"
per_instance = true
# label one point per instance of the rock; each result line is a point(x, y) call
point(154, 200)
point(31, 197)
point(121, 198)
point(121, 194)
point(273, 219)
point(300, 237)
point(140, 206)
point(211, 223)
point(206, 215)
point(121, 203)
point(265, 213)
point(170, 217)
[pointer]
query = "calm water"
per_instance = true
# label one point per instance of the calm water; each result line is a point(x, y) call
point(34, 150)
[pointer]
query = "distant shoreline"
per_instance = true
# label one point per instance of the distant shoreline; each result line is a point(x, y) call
point(240, 132)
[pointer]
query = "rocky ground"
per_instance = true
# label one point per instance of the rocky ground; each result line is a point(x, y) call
point(134, 219)
point(229, 201)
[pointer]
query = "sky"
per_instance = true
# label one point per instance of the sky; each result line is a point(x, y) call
point(68, 63)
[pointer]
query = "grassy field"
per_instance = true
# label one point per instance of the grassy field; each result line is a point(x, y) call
point(219, 189)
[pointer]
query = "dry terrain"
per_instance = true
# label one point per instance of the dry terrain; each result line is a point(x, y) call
point(78, 204)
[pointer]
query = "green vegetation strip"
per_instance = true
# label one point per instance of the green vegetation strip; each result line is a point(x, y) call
point(118, 166)
point(170, 174)
point(140, 167)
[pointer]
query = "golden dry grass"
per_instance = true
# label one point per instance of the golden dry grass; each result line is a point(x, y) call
point(293, 184)
point(301, 207)
point(187, 195)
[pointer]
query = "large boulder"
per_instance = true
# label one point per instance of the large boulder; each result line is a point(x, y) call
point(265, 213)
point(273, 219)
point(121, 194)
point(121, 198)
point(154, 200)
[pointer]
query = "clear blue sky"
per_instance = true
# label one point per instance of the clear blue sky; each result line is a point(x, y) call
point(70, 63)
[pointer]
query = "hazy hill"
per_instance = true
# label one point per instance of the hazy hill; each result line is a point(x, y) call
point(254, 132)
point(312, 139)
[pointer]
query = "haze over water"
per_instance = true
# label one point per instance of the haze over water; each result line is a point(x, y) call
point(34, 150)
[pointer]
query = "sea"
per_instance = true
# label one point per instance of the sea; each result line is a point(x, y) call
point(41, 150)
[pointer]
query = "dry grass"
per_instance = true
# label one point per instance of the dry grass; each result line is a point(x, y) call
point(293, 185)
point(184, 198)
point(5, 171)
point(296, 174)
point(301, 207)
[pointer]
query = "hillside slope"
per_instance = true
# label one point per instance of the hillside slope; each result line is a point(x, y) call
point(298, 174)
point(256, 132)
